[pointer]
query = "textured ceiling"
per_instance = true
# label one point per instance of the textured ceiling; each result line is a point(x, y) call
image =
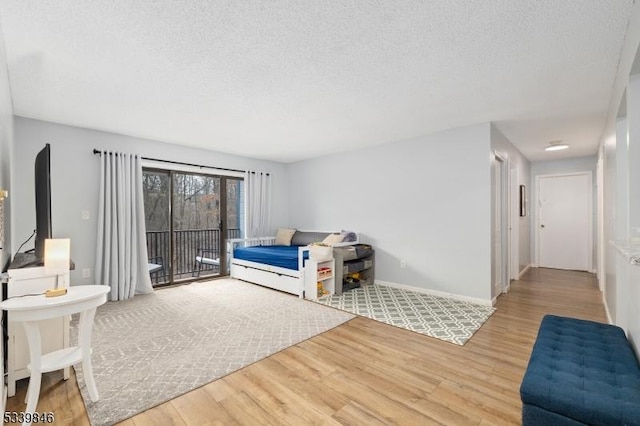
point(288, 80)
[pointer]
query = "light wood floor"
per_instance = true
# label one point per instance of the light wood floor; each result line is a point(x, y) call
point(367, 373)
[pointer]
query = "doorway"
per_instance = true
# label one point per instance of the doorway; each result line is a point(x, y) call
point(501, 223)
point(564, 221)
point(514, 226)
point(189, 217)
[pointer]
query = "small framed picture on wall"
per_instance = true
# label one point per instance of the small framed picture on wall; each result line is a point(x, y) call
point(523, 201)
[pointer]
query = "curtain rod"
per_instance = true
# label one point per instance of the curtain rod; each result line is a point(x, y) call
point(97, 151)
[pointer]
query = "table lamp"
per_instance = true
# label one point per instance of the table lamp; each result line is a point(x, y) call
point(56, 262)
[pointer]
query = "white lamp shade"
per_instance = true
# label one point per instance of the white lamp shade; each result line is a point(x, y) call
point(56, 255)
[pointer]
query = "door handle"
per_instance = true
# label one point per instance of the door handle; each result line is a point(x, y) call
point(541, 226)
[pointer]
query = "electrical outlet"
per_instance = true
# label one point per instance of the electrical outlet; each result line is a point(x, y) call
point(86, 273)
point(403, 263)
point(85, 214)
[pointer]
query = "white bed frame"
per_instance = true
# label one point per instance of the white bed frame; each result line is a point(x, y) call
point(275, 277)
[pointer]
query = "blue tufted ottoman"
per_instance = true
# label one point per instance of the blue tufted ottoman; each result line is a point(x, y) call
point(580, 372)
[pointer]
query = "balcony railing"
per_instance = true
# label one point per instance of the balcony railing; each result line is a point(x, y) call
point(186, 245)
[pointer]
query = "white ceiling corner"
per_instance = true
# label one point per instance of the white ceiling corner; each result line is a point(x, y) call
point(291, 80)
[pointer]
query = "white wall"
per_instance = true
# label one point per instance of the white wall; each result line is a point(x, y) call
point(424, 200)
point(75, 180)
point(517, 161)
point(614, 210)
point(632, 290)
point(569, 165)
point(6, 146)
point(621, 291)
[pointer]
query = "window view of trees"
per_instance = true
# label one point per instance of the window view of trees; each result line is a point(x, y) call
point(195, 209)
point(155, 188)
point(196, 202)
point(235, 204)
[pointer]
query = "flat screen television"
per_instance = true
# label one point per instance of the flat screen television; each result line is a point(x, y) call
point(43, 200)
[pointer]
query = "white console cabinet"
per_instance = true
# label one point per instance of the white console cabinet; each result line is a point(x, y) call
point(54, 332)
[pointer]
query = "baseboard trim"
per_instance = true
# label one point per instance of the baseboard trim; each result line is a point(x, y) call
point(524, 271)
point(437, 293)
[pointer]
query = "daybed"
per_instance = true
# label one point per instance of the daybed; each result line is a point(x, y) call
point(581, 373)
point(268, 262)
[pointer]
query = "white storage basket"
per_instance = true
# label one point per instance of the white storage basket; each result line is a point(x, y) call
point(320, 253)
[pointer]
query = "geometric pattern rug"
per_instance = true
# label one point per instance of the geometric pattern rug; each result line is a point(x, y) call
point(155, 347)
point(446, 319)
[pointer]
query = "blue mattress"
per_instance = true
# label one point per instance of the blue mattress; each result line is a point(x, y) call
point(282, 256)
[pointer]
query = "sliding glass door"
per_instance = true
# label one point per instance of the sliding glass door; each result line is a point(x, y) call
point(156, 187)
point(189, 218)
point(196, 225)
point(234, 206)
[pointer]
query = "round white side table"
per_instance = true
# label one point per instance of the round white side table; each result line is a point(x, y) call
point(83, 299)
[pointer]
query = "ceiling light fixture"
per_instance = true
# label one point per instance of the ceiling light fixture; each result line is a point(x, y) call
point(556, 146)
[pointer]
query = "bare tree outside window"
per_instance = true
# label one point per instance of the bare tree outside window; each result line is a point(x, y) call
point(155, 187)
point(192, 202)
point(196, 202)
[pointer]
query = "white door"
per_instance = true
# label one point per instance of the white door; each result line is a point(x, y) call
point(564, 222)
point(497, 228)
point(514, 227)
point(500, 231)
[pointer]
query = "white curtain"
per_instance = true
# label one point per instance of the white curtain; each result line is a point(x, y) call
point(121, 255)
point(258, 199)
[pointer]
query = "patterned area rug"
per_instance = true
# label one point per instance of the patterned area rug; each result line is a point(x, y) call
point(152, 348)
point(446, 319)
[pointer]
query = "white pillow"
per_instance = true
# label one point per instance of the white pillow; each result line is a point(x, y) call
point(333, 239)
point(283, 236)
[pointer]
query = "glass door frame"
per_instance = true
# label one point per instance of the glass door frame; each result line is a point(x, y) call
point(223, 225)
